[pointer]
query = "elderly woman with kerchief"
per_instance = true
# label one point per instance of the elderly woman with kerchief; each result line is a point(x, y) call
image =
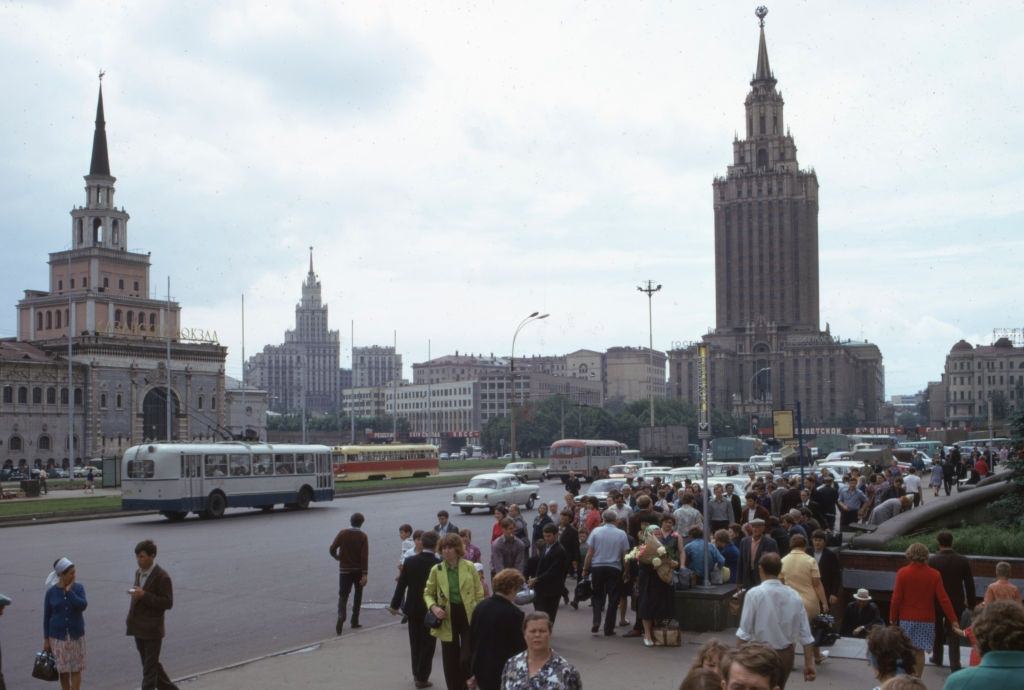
point(64, 624)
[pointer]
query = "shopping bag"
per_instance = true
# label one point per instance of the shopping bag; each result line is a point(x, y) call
point(45, 667)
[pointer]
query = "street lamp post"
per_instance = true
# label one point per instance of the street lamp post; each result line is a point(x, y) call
point(752, 395)
point(535, 316)
point(649, 290)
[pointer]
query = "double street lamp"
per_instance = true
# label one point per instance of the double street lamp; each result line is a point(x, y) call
point(649, 290)
point(535, 316)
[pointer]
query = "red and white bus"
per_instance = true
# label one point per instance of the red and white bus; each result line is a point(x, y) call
point(587, 458)
point(355, 463)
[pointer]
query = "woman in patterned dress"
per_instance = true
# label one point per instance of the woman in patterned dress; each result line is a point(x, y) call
point(539, 668)
point(917, 590)
point(64, 624)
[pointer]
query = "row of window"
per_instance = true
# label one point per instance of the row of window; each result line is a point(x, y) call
point(37, 395)
point(44, 442)
point(966, 365)
point(966, 380)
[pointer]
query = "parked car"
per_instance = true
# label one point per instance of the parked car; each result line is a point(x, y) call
point(81, 472)
point(600, 489)
point(526, 471)
point(844, 467)
point(488, 490)
point(443, 456)
point(508, 456)
point(57, 473)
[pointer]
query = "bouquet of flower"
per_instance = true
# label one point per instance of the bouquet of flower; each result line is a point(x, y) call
point(654, 554)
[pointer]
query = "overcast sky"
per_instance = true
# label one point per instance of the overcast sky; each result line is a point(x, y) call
point(458, 166)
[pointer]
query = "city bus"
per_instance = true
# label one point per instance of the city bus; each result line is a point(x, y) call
point(207, 478)
point(873, 440)
point(587, 458)
point(355, 463)
point(932, 449)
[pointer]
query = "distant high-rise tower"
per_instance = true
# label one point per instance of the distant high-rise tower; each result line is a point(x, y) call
point(302, 371)
point(766, 220)
point(767, 351)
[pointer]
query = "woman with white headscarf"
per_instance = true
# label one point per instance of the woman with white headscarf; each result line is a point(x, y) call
point(64, 624)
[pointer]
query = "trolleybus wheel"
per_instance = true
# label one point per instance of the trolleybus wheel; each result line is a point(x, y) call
point(215, 505)
point(305, 496)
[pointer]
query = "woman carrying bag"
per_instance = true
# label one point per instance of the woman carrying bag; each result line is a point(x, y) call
point(64, 624)
point(453, 590)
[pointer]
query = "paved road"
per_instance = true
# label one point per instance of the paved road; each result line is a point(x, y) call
point(247, 585)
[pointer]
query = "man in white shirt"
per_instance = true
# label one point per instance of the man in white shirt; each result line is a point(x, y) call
point(774, 614)
point(622, 511)
point(912, 484)
point(687, 516)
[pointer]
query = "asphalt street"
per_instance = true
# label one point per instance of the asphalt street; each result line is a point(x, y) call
point(246, 585)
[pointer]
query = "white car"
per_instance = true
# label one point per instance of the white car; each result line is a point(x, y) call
point(627, 471)
point(488, 490)
point(81, 472)
point(526, 471)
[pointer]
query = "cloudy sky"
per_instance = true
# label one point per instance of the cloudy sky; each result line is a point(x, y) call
point(460, 165)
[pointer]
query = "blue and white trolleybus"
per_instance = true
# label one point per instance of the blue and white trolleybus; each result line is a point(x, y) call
point(208, 478)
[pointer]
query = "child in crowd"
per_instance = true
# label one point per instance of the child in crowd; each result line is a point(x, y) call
point(1002, 589)
point(472, 552)
point(408, 545)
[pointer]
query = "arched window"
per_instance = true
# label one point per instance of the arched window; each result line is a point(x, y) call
point(63, 396)
point(44, 442)
point(115, 233)
point(14, 443)
point(199, 402)
point(49, 320)
point(118, 401)
point(51, 396)
point(8, 394)
point(117, 317)
point(97, 231)
point(39, 320)
point(22, 395)
point(129, 319)
point(152, 322)
point(37, 396)
point(57, 320)
point(78, 396)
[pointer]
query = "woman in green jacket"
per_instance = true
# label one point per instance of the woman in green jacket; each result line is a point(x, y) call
point(453, 590)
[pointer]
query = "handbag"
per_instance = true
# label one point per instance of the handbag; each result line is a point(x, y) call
point(823, 628)
point(736, 603)
point(682, 579)
point(45, 667)
point(431, 621)
point(666, 636)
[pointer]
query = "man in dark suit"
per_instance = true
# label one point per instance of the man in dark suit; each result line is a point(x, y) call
point(826, 496)
point(152, 595)
point(444, 526)
point(552, 568)
point(751, 550)
point(496, 631)
point(412, 580)
point(958, 582)
point(752, 510)
point(828, 567)
point(790, 498)
point(734, 500)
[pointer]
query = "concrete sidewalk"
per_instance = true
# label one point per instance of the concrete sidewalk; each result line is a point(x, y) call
point(378, 657)
point(64, 493)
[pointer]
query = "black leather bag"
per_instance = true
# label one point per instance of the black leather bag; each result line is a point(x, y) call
point(823, 627)
point(45, 667)
point(431, 621)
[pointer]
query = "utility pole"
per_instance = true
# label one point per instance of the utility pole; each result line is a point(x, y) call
point(168, 401)
point(649, 290)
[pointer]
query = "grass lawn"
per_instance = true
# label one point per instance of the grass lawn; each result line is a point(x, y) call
point(481, 465)
point(61, 505)
point(976, 540)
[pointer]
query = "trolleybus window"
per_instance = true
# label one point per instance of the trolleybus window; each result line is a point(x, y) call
point(216, 465)
point(141, 469)
point(303, 463)
point(283, 463)
point(190, 465)
point(262, 464)
point(239, 463)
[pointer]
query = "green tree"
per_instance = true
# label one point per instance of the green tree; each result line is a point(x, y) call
point(1011, 506)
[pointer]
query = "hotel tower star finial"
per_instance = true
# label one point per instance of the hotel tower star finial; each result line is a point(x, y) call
point(761, 12)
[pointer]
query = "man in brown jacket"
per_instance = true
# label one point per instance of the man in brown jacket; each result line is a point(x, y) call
point(351, 549)
point(151, 595)
point(958, 581)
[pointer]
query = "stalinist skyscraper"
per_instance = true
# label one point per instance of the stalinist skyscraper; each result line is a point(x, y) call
point(767, 349)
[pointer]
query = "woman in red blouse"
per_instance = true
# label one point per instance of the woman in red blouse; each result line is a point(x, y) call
point(918, 587)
